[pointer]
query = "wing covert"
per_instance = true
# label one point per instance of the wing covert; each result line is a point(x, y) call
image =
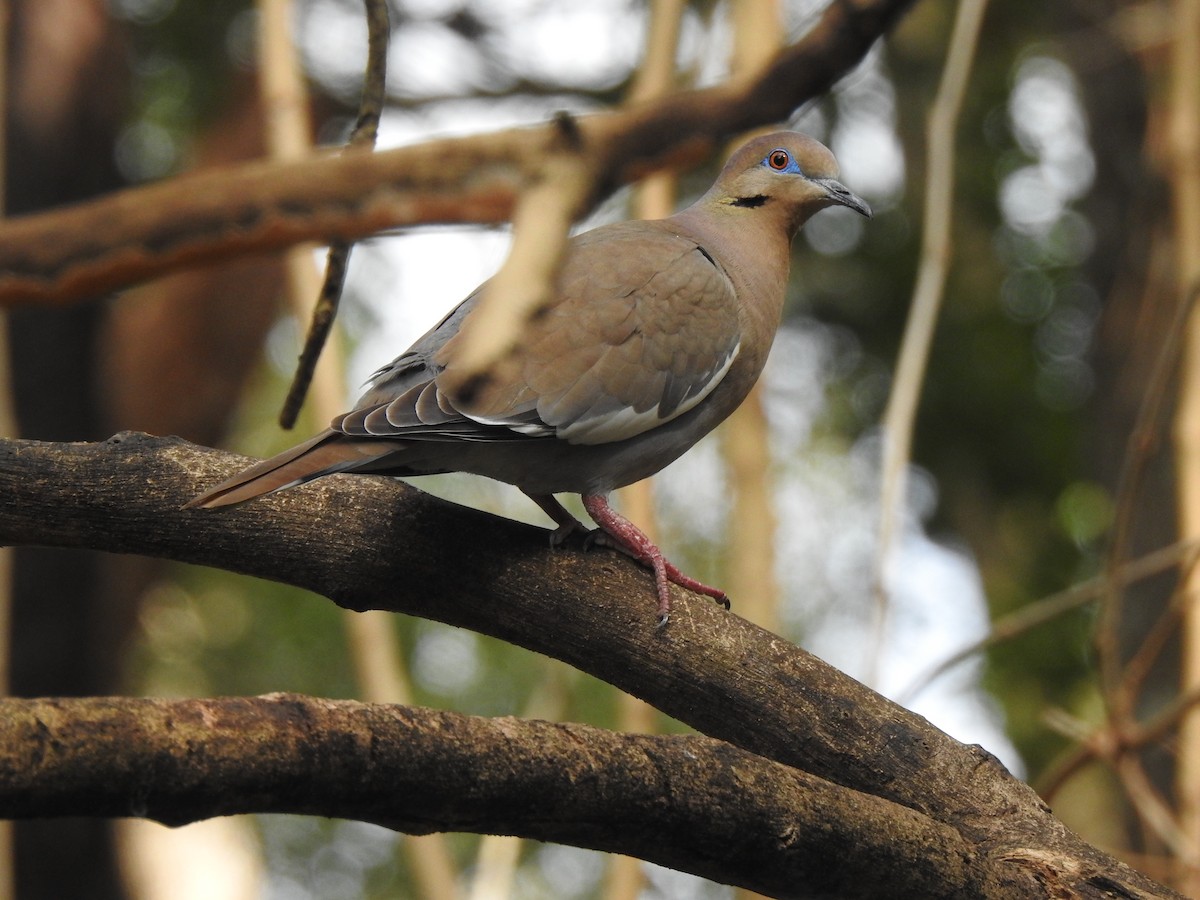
point(645, 326)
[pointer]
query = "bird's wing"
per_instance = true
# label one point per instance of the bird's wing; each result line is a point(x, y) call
point(645, 325)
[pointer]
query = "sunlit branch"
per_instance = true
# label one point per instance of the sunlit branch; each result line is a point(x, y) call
point(901, 410)
point(337, 261)
point(138, 233)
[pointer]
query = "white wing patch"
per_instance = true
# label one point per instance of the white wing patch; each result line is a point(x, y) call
point(533, 429)
point(607, 428)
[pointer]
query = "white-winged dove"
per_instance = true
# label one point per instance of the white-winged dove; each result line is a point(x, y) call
point(658, 331)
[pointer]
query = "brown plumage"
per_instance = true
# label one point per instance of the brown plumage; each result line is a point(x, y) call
point(658, 331)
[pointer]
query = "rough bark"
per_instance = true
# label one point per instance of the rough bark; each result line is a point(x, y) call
point(373, 544)
point(687, 802)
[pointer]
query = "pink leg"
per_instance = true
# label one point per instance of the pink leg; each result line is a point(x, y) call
point(633, 541)
point(567, 523)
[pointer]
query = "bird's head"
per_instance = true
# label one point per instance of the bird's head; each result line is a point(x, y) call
point(786, 174)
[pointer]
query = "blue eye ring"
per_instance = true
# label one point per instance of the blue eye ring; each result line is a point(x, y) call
point(780, 160)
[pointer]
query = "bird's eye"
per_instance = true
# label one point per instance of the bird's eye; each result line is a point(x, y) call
point(778, 160)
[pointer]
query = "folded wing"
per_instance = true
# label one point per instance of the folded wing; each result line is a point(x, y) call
point(643, 329)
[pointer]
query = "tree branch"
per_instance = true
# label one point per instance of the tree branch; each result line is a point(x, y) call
point(371, 543)
point(691, 803)
point(142, 232)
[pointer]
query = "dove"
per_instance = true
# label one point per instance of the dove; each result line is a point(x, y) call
point(656, 331)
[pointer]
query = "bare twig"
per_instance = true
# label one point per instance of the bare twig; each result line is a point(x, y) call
point(1184, 136)
point(1109, 742)
point(1120, 680)
point(1049, 608)
point(366, 129)
point(1154, 811)
point(1168, 719)
point(1141, 661)
point(745, 437)
point(288, 132)
point(1142, 439)
point(927, 298)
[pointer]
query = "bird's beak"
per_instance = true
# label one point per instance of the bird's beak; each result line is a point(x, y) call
point(843, 196)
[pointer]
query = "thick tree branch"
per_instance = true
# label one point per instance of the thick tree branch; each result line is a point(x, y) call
point(691, 803)
point(373, 544)
point(142, 232)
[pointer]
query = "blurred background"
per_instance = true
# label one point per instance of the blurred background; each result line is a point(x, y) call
point(1060, 301)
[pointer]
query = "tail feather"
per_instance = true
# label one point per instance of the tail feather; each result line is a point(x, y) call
point(325, 454)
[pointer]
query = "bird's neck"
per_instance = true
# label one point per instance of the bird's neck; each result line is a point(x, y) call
point(749, 239)
point(755, 250)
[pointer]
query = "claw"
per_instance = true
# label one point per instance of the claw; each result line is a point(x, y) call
point(618, 532)
point(564, 532)
point(567, 523)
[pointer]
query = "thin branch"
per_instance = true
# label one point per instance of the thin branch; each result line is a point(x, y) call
point(1184, 157)
point(337, 262)
point(926, 302)
point(1109, 743)
point(374, 94)
point(1167, 720)
point(745, 435)
point(1154, 811)
point(1062, 769)
point(1157, 638)
point(1049, 608)
point(1142, 439)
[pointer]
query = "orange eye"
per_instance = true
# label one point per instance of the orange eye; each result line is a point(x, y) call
point(779, 160)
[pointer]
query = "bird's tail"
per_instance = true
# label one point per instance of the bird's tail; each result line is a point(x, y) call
point(325, 454)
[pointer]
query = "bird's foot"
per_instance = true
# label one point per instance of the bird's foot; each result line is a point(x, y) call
point(619, 533)
point(567, 530)
point(567, 524)
point(598, 537)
